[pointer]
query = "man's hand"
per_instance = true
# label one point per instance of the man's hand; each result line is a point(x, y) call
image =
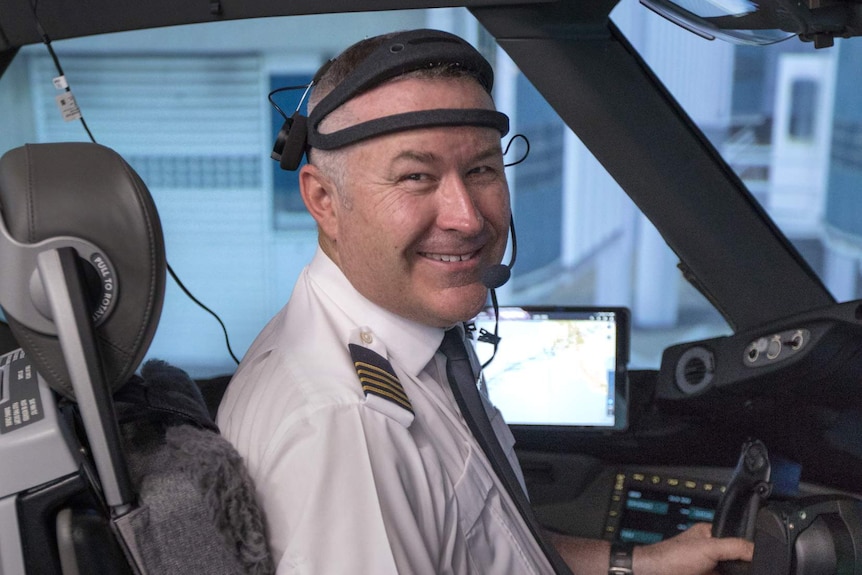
point(692, 552)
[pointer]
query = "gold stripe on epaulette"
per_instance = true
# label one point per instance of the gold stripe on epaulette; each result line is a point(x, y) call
point(388, 392)
point(377, 376)
point(374, 380)
point(375, 371)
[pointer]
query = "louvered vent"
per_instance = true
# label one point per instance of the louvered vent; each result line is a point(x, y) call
point(694, 370)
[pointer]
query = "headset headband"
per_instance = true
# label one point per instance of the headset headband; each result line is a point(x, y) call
point(402, 53)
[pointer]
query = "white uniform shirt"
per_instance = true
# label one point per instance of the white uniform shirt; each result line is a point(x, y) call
point(356, 485)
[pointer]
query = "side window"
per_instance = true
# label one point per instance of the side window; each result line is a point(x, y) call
point(538, 182)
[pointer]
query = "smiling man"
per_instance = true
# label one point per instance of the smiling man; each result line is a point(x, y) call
point(418, 215)
point(342, 409)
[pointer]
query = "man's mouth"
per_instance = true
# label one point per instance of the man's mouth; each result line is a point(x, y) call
point(448, 257)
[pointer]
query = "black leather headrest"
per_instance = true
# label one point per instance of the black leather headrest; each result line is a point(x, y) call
point(87, 192)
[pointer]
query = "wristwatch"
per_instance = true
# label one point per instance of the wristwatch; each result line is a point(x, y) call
point(621, 559)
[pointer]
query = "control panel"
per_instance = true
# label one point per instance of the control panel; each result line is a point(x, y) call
point(776, 347)
point(649, 507)
point(815, 357)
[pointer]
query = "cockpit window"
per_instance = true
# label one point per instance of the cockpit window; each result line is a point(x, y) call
point(191, 116)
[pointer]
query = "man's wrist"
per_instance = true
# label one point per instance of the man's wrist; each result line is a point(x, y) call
point(620, 562)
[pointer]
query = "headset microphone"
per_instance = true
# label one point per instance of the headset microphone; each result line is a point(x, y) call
point(497, 275)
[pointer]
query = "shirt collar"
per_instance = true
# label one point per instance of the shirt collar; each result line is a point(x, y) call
point(408, 343)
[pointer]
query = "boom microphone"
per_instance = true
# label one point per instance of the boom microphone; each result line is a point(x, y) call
point(497, 275)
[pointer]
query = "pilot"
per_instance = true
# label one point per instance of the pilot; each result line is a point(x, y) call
point(342, 408)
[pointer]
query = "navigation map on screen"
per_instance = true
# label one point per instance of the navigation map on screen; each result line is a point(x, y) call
point(553, 367)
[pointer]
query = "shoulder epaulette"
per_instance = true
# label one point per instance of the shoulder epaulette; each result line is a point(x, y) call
point(377, 376)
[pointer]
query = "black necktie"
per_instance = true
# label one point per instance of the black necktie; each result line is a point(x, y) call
point(463, 383)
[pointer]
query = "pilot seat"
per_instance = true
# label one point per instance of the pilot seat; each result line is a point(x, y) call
point(103, 469)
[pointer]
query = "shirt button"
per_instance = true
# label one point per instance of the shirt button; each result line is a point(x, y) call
point(366, 337)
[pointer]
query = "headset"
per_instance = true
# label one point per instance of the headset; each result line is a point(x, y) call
point(399, 54)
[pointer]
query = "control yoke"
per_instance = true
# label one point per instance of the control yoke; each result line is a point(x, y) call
point(746, 492)
point(812, 535)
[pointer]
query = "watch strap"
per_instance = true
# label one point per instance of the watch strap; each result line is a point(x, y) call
point(620, 562)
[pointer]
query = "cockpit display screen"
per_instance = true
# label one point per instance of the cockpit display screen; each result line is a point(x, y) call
point(558, 366)
point(647, 508)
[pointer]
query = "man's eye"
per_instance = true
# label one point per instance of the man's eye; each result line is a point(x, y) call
point(417, 177)
point(482, 171)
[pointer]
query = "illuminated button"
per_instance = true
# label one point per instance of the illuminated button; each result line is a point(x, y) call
point(774, 347)
point(655, 479)
point(797, 340)
point(691, 484)
point(673, 482)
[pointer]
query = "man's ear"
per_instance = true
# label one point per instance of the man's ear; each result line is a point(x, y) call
point(318, 192)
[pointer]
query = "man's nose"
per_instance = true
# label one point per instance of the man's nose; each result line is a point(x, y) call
point(457, 209)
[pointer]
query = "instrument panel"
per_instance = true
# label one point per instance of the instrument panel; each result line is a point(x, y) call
point(647, 507)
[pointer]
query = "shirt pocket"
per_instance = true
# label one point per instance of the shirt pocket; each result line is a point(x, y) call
point(487, 526)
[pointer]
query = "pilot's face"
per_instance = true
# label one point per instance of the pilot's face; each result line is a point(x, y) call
point(421, 213)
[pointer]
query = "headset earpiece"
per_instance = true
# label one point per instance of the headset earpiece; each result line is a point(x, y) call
point(291, 143)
